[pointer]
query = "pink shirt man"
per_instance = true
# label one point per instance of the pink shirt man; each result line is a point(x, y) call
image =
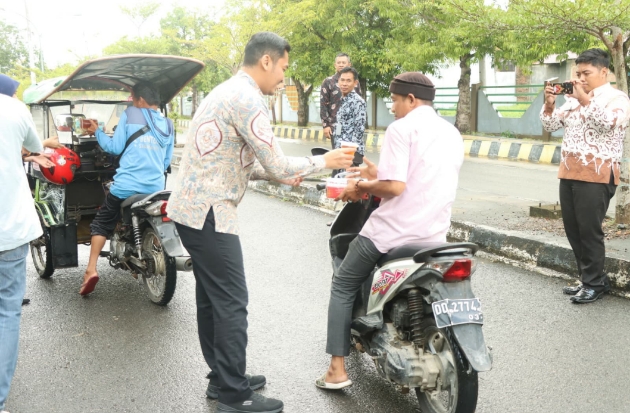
point(426, 153)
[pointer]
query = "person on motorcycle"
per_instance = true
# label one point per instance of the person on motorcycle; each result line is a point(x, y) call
point(417, 180)
point(141, 168)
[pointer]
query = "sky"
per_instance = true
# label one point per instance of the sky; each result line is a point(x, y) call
point(69, 29)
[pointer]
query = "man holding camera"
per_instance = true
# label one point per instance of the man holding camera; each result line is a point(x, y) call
point(595, 117)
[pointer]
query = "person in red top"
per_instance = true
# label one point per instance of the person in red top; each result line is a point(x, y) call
point(594, 117)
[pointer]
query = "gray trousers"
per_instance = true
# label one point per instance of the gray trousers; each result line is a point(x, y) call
point(354, 270)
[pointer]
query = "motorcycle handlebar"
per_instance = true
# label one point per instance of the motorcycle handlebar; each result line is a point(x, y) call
point(93, 152)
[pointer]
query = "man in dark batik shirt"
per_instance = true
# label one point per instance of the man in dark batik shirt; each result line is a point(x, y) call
point(330, 96)
point(351, 116)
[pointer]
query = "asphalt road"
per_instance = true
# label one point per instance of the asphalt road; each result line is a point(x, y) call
point(116, 352)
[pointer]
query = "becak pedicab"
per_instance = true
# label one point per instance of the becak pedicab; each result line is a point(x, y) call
point(68, 196)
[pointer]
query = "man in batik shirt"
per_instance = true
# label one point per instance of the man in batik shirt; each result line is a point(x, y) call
point(351, 117)
point(330, 96)
point(230, 141)
point(595, 117)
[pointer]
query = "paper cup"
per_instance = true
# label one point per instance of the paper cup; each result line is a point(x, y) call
point(349, 145)
point(335, 186)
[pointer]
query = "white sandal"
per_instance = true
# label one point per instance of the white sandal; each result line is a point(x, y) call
point(322, 384)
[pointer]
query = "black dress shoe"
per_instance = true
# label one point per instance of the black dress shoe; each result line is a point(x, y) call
point(586, 295)
point(255, 383)
point(572, 289)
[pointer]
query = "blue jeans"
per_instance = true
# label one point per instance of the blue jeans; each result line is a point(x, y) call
point(12, 286)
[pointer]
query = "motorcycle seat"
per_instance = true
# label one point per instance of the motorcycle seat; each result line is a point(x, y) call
point(406, 251)
point(141, 198)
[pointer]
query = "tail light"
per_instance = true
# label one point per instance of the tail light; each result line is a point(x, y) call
point(454, 271)
point(157, 209)
point(460, 270)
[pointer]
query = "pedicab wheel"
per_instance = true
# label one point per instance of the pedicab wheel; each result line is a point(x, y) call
point(460, 385)
point(160, 285)
point(41, 252)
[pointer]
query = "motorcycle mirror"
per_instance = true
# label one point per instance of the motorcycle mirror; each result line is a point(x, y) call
point(319, 151)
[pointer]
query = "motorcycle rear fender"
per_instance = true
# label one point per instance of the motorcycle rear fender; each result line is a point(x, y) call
point(168, 235)
point(387, 282)
point(468, 336)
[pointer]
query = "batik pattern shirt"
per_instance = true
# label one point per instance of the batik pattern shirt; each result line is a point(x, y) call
point(593, 137)
point(351, 120)
point(330, 98)
point(230, 140)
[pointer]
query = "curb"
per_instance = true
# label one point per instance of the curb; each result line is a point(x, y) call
point(521, 151)
point(508, 244)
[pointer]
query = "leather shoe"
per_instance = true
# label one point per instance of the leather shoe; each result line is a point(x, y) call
point(572, 289)
point(255, 383)
point(586, 295)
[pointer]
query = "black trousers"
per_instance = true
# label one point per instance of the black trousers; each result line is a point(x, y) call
point(584, 206)
point(221, 305)
point(107, 217)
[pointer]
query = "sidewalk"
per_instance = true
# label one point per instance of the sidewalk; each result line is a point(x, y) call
point(543, 246)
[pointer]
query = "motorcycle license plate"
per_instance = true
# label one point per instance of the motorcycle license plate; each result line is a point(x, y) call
point(453, 312)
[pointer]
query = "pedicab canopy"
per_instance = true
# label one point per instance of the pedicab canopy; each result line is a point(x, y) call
point(169, 74)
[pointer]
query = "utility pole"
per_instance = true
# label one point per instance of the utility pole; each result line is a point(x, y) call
point(31, 55)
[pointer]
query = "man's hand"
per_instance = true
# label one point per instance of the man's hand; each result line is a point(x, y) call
point(292, 181)
point(41, 159)
point(579, 93)
point(93, 127)
point(368, 172)
point(339, 158)
point(52, 143)
point(327, 132)
point(350, 193)
point(550, 99)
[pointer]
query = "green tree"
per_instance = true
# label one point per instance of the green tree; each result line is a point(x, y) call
point(182, 33)
point(140, 13)
point(13, 53)
point(319, 29)
point(143, 45)
point(241, 19)
point(432, 33)
point(187, 34)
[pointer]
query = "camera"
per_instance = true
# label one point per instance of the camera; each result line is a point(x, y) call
point(561, 88)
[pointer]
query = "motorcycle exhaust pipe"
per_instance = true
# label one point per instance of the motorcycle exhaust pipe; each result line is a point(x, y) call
point(183, 264)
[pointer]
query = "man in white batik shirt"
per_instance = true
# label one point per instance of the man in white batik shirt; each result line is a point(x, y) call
point(595, 117)
point(230, 141)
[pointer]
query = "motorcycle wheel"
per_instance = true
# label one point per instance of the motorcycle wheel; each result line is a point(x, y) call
point(41, 251)
point(460, 385)
point(160, 286)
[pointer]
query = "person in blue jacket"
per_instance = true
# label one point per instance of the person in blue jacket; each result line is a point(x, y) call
point(141, 169)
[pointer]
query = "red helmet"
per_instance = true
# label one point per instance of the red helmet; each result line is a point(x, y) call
point(66, 162)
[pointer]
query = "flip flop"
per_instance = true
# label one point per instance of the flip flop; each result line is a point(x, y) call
point(321, 383)
point(89, 285)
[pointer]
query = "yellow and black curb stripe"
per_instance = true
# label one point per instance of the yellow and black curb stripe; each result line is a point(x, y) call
point(372, 140)
point(521, 151)
point(494, 149)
